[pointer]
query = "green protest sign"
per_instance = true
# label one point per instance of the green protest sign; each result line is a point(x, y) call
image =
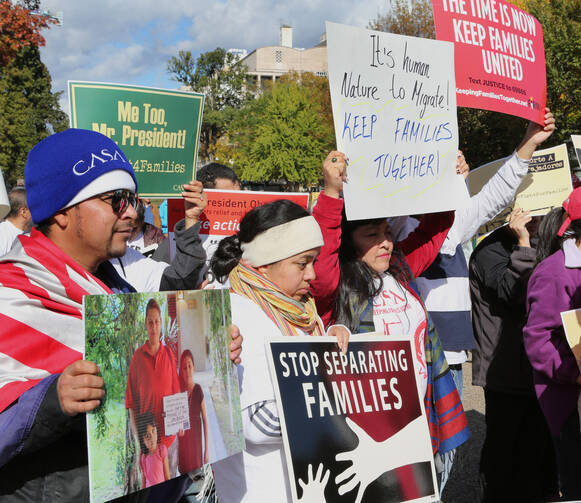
point(157, 129)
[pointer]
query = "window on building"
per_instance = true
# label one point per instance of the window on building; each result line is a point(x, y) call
point(278, 56)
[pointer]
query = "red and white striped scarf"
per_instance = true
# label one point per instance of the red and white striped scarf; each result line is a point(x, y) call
point(41, 320)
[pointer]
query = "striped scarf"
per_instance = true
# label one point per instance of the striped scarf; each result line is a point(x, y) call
point(288, 314)
point(41, 323)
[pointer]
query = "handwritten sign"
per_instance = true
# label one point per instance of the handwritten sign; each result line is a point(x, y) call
point(546, 186)
point(394, 109)
point(341, 410)
point(499, 55)
point(157, 129)
point(176, 413)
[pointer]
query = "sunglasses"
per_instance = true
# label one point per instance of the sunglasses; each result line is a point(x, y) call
point(121, 199)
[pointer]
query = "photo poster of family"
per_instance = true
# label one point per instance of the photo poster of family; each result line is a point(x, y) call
point(354, 426)
point(172, 400)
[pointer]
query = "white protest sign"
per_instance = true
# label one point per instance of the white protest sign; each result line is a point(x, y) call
point(176, 413)
point(394, 109)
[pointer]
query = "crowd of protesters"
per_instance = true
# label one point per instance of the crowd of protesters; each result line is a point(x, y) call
point(289, 273)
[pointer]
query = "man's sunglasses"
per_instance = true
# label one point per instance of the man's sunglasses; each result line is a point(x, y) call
point(121, 199)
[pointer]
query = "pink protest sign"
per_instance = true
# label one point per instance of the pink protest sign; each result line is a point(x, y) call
point(499, 56)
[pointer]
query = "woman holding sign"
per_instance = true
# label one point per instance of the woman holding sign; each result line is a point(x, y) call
point(269, 263)
point(555, 287)
point(367, 283)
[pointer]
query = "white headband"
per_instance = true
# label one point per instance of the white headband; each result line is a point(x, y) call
point(283, 241)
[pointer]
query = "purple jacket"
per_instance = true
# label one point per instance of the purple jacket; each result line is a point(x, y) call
point(552, 289)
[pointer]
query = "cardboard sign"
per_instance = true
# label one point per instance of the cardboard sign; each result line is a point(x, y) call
point(357, 415)
point(187, 402)
point(499, 56)
point(394, 110)
point(572, 325)
point(157, 129)
point(176, 413)
point(224, 211)
point(546, 186)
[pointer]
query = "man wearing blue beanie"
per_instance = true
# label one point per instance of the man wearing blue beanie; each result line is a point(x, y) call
point(82, 197)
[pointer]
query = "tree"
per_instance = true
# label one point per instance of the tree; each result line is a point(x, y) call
point(280, 136)
point(28, 109)
point(413, 18)
point(317, 89)
point(561, 21)
point(19, 28)
point(486, 135)
point(222, 79)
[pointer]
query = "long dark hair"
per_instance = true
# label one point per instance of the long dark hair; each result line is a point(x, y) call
point(143, 421)
point(358, 282)
point(255, 222)
point(549, 241)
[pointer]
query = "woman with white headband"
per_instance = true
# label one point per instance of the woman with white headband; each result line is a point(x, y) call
point(270, 267)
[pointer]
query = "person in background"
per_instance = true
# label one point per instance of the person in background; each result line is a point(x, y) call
point(18, 220)
point(555, 287)
point(183, 271)
point(517, 461)
point(146, 237)
point(218, 176)
point(444, 285)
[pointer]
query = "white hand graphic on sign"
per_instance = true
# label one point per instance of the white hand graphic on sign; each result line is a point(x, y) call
point(371, 459)
point(314, 489)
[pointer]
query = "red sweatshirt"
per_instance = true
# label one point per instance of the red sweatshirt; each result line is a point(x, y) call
point(420, 249)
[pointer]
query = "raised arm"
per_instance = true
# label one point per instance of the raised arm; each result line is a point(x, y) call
point(328, 213)
point(423, 244)
point(500, 190)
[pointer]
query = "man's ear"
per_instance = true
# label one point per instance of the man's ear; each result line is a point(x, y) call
point(62, 218)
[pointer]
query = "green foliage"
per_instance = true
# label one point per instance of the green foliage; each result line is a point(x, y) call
point(485, 135)
point(406, 17)
point(561, 21)
point(28, 109)
point(222, 79)
point(281, 135)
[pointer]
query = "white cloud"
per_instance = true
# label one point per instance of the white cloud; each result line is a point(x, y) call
point(130, 42)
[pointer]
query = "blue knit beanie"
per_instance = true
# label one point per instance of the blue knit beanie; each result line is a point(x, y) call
point(60, 166)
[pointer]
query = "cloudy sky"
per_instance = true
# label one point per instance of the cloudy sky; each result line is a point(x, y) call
point(130, 42)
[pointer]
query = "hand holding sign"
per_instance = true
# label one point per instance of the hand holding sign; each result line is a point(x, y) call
point(398, 450)
point(334, 173)
point(195, 202)
point(314, 489)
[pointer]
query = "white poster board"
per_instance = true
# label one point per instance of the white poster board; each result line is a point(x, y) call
point(394, 109)
point(176, 413)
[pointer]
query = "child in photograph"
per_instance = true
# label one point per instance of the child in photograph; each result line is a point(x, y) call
point(190, 441)
point(153, 460)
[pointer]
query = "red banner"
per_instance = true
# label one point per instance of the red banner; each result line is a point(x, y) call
point(499, 56)
point(227, 207)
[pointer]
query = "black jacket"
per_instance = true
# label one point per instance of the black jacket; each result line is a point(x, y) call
point(499, 272)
